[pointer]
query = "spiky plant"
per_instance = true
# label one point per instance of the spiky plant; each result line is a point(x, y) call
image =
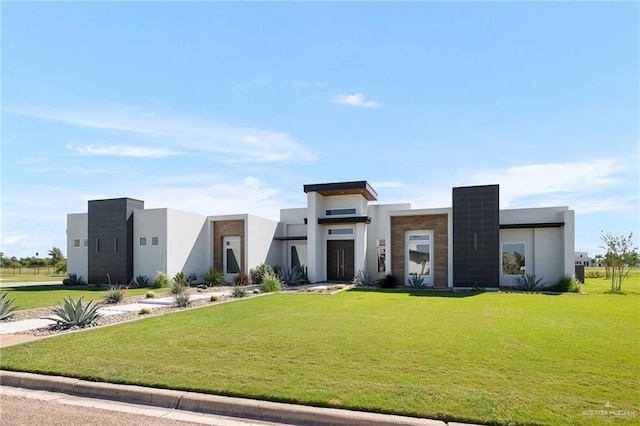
point(141, 280)
point(72, 313)
point(213, 277)
point(290, 276)
point(239, 292)
point(183, 300)
point(74, 279)
point(115, 294)
point(364, 279)
point(6, 306)
point(528, 282)
point(416, 281)
point(270, 282)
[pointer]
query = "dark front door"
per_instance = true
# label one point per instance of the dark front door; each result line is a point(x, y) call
point(339, 260)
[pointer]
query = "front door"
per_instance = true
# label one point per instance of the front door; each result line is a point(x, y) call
point(340, 260)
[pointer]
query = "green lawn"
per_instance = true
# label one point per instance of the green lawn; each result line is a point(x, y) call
point(25, 275)
point(486, 358)
point(50, 295)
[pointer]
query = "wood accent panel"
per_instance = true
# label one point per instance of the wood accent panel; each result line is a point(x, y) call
point(227, 228)
point(439, 225)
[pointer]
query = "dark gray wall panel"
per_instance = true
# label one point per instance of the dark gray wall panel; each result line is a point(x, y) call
point(476, 236)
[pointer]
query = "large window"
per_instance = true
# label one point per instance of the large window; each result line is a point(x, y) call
point(513, 259)
point(232, 255)
point(419, 254)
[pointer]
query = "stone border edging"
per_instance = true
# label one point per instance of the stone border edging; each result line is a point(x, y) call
point(210, 404)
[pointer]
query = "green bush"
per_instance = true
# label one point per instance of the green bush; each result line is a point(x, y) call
point(593, 274)
point(214, 298)
point(239, 292)
point(74, 279)
point(566, 284)
point(146, 310)
point(74, 314)
point(150, 295)
point(6, 306)
point(271, 283)
point(213, 278)
point(115, 294)
point(160, 281)
point(61, 266)
point(258, 273)
point(241, 279)
point(178, 287)
point(416, 281)
point(389, 281)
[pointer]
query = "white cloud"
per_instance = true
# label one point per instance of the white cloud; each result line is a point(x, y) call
point(124, 151)
point(357, 100)
point(177, 133)
point(23, 244)
point(580, 177)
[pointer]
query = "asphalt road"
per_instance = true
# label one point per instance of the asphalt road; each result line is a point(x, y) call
point(22, 407)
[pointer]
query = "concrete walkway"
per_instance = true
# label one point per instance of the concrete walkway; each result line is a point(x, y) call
point(32, 324)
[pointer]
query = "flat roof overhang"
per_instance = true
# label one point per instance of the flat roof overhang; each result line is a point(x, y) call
point(298, 238)
point(532, 225)
point(361, 187)
point(344, 219)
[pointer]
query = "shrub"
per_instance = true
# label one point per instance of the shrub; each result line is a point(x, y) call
point(259, 272)
point(271, 283)
point(566, 284)
point(74, 279)
point(141, 281)
point(364, 279)
point(61, 266)
point(115, 294)
point(179, 283)
point(593, 274)
point(290, 276)
point(150, 295)
point(528, 282)
point(241, 279)
point(161, 280)
point(416, 281)
point(239, 292)
point(146, 310)
point(213, 277)
point(6, 306)
point(72, 313)
point(183, 300)
point(389, 281)
point(214, 298)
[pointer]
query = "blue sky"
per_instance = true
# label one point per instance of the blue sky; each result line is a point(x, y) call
point(222, 108)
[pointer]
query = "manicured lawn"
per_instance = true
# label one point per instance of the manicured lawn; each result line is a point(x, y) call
point(50, 295)
point(25, 275)
point(487, 358)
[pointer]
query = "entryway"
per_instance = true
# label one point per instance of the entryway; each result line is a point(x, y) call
point(340, 260)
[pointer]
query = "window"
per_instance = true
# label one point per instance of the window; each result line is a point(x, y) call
point(232, 259)
point(340, 231)
point(154, 241)
point(97, 245)
point(115, 245)
point(382, 255)
point(86, 242)
point(298, 256)
point(334, 212)
point(76, 242)
point(513, 258)
point(143, 241)
point(419, 254)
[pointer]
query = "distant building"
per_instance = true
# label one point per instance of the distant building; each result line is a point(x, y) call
point(583, 259)
point(340, 231)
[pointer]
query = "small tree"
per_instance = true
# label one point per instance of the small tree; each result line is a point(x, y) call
point(56, 255)
point(620, 258)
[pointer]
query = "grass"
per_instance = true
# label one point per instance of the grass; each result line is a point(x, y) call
point(499, 358)
point(40, 296)
point(22, 275)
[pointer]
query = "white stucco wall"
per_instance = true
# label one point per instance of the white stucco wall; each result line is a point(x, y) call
point(377, 229)
point(149, 259)
point(260, 246)
point(549, 250)
point(77, 257)
point(187, 239)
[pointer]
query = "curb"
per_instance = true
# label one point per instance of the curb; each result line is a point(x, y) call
point(210, 404)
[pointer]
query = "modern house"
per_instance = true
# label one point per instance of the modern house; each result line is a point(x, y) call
point(340, 231)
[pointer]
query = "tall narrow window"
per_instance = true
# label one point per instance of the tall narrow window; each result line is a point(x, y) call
point(513, 259)
point(97, 245)
point(115, 245)
point(298, 256)
point(382, 255)
point(232, 259)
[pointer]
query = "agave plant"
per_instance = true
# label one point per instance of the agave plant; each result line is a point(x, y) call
point(141, 280)
point(528, 282)
point(416, 281)
point(290, 276)
point(364, 279)
point(183, 299)
point(213, 277)
point(74, 314)
point(6, 306)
